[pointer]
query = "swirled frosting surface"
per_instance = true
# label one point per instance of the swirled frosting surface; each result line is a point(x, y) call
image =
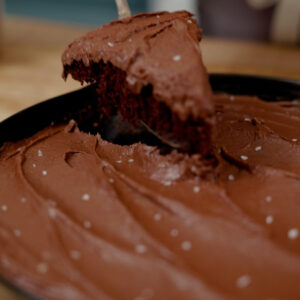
point(81, 218)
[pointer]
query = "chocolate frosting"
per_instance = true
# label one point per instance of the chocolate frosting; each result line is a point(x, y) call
point(157, 49)
point(82, 218)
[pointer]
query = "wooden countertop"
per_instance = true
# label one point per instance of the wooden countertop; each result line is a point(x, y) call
point(30, 66)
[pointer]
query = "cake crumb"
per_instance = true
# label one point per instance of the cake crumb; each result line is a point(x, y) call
point(293, 233)
point(243, 281)
point(177, 57)
point(186, 245)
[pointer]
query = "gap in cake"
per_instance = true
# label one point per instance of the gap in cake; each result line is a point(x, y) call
point(114, 96)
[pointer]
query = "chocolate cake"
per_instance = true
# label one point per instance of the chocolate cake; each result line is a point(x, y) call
point(149, 68)
point(82, 218)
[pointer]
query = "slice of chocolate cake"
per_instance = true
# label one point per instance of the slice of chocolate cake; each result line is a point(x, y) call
point(149, 68)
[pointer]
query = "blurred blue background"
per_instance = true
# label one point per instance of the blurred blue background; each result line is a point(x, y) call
point(86, 12)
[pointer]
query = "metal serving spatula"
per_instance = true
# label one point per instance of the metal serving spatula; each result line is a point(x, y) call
point(123, 12)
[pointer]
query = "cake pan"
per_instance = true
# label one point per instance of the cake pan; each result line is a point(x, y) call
point(81, 105)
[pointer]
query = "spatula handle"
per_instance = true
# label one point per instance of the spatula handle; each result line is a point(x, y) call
point(123, 9)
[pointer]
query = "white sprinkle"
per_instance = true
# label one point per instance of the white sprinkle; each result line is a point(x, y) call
point(140, 248)
point(52, 202)
point(44, 172)
point(231, 177)
point(190, 21)
point(119, 161)
point(157, 16)
point(131, 160)
point(87, 224)
point(34, 165)
point(244, 157)
point(4, 207)
point(268, 199)
point(186, 245)
point(294, 140)
point(293, 233)
point(40, 153)
point(247, 119)
point(129, 40)
point(46, 255)
point(17, 232)
point(42, 268)
point(167, 183)
point(75, 254)
point(243, 281)
point(157, 217)
point(196, 189)
point(269, 219)
point(148, 293)
point(23, 200)
point(174, 232)
point(52, 213)
point(111, 180)
point(177, 57)
point(85, 197)
point(110, 44)
point(232, 98)
point(258, 148)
